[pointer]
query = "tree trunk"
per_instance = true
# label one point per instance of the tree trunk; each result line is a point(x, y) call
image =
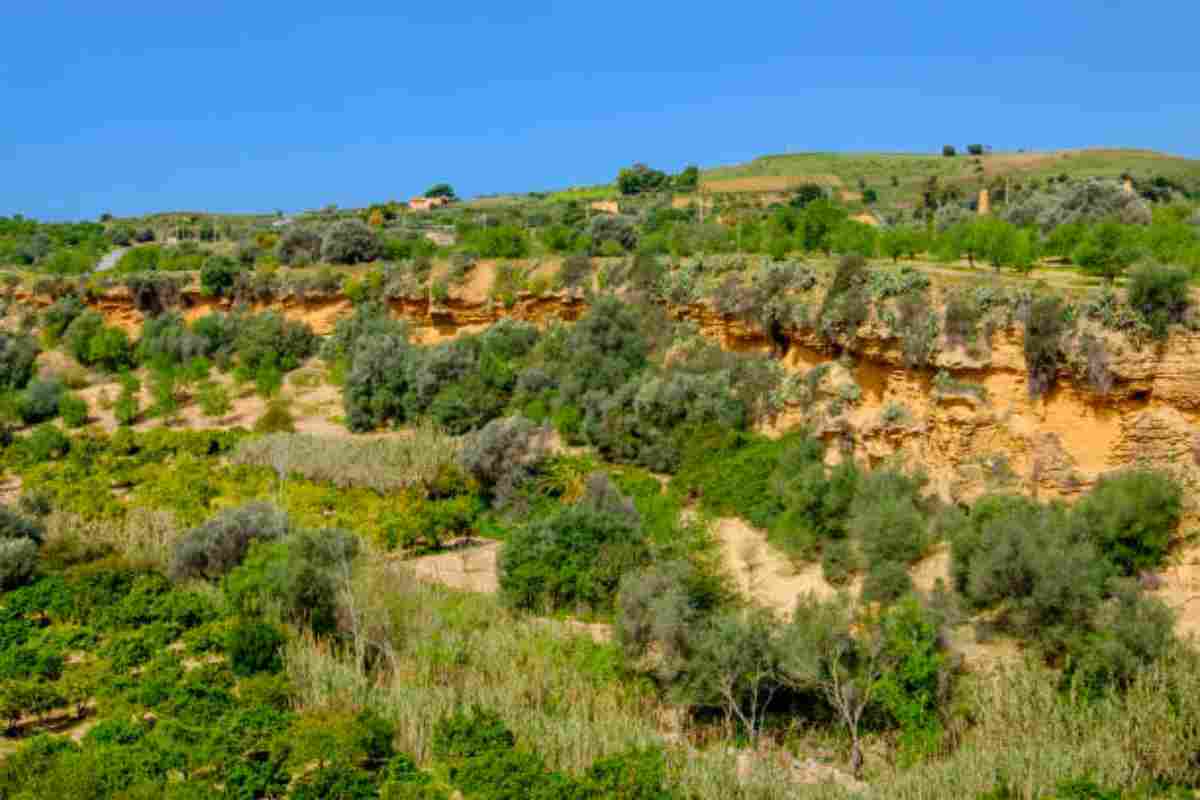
point(856, 758)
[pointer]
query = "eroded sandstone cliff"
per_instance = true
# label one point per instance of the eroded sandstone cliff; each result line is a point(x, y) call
point(968, 418)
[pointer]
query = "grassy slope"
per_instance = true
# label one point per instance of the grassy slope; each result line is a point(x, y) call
point(911, 170)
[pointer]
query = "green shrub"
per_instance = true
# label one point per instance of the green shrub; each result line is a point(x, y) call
point(619, 229)
point(1130, 517)
point(254, 647)
point(576, 271)
point(350, 242)
point(730, 473)
point(634, 774)
point(18, 562)
point(298, 577)
point(59, 316)
point(269, 340)
point(815, 502)
point(127, 409)
point(13, 526)
point(846, 305)
point(217, 275)
point(74, 410)
point(1045, 325)
point(838, 561)
point(277, 418)
point(373, 736)
point(1161, 294)
point(368, 320)
point(468, 734)
point(1107, 250)
point(886, 582)
point(1013, 552)
point(576, 556)
point(917, 682)
point(18, 354)
point(39, 401)
point(1131, 632)
point(378, 382)
point(508, 775)
point(335, 781)
point(500, 241)
point(503, 455)
point(214, 399)
point(887, 519)
point(45, 443)
point(220, 544)
point(299, 245)
point(659, 607)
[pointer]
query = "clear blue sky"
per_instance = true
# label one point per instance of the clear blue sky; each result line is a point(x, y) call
point(133, 107)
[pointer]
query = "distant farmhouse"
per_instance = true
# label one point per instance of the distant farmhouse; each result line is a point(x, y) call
point(428, 203)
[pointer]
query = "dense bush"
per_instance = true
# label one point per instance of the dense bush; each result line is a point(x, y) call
point(1130, 517)
point(617, 229)
point(90, 342)
point(166, 340)
point(1012, 551)
point(503, 455)
point(660, 606)
point(73, 409)
point(18, 353)
point(59, 316)
point(500, 241)
point(887, 517)
point(39, 401)
point(220, 544)
point(369, 319)
point(846, 305)
point(299, 246)
point(297, 577)
point(217, 276)
point(271, 340)
point(276, 418)
point(467, 734)
point(1161, 294)
point(576, 556)
point(350, 242)
point(378, 381)
point(1130, 631)
point(18, 562)
point(1045, 325)
point(1106, 250)
point(254, 647)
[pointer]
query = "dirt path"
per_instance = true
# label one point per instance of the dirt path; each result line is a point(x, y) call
point(763, 573)
point(469, 569)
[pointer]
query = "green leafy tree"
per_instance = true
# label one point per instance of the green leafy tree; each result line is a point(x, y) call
point(1107, 250)
point(688, 180)
point(218, 275)
point(641, 179)
point(1131, 517)
point(441, 190)
point(127, 409)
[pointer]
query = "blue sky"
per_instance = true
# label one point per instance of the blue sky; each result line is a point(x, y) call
point(132, 107)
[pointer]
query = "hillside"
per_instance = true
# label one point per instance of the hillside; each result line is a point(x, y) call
point(527, 498)
point(900, 179)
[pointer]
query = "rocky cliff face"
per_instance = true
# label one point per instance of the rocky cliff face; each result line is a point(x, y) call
point(968, 419)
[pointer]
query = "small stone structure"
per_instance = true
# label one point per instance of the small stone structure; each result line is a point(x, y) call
point(606, 206)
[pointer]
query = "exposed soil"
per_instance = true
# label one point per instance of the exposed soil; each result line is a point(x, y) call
point(764, 574)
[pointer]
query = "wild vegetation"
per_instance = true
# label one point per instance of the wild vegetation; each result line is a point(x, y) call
point(258, 613)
